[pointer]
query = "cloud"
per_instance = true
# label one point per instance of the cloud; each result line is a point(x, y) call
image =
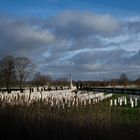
point(82, 24)
point(88, 45)
point(19, 38)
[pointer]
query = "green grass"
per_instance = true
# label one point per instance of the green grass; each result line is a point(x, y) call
point(125, 114)
point(116, 95)
point(95, 121)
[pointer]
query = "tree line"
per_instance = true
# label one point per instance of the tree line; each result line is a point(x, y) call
point(15, 71)
point(122, 81)
point(20, 72)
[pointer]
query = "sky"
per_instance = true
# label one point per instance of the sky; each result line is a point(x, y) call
point(90, 39)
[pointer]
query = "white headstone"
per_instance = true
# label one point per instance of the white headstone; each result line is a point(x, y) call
point(111, 102)
point(69, 104)
point(120, 102)
point(96, 100)
point(93, 101)
point(132, 103)
point(58, 105)
point(77, 103)
point(85, 102)
point(56, 102)
point(89, 101)
point(136, 102)
point(125, 101)
point(66, 100)
point(73, 103)
point(115, 102)
point(52, 104)
point(131, 100)
point(63, 105)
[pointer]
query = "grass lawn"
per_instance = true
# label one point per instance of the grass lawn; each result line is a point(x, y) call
point(95, 121)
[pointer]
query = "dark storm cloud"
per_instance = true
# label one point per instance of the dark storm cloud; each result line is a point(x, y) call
point(82, 24)
point(134, 60)
point(95, 64)
point(88, 45)
point(18, 38)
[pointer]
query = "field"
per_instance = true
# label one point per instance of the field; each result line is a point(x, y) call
point(94, 121)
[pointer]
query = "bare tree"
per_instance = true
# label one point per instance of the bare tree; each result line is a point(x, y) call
point(137, 82)
point(41, 80)
point(24, 69)
point(114, 82)
point(62, 82)
point(7, 72)
point(124, 80)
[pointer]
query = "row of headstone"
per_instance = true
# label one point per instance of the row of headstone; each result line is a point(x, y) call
point(134, 96)
point(63, 98)
point(124, 101)
point(39, 89)
point(75, 103)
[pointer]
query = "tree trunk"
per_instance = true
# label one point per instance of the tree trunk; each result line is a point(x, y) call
point(20, 85)
point(1, 86)
point(7, 87)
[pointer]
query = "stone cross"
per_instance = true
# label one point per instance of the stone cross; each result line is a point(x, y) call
point(71, 85)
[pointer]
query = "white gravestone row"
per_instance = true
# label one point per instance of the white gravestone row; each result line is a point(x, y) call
point(54, 98)
point(123, 101)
